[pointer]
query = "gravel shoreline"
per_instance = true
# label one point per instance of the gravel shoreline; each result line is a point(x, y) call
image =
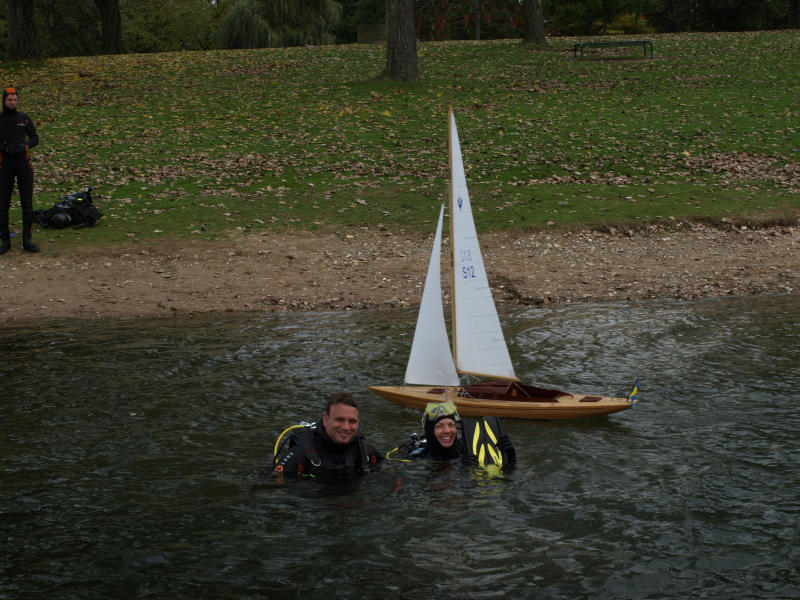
point(367, 269)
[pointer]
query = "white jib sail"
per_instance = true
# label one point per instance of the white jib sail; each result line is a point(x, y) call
point(431, 362)
point(479, 346)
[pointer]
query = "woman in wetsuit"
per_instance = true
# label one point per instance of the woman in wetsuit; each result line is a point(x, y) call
point(442, 442)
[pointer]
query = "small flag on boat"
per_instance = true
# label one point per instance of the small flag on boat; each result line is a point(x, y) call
point(634, 395)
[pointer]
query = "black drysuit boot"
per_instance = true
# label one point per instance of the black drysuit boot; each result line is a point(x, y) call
point(27, 231)
point(5, 243)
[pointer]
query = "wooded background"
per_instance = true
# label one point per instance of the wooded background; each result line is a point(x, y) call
point(51, 28)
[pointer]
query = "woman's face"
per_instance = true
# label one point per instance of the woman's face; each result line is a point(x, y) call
point(445, 431)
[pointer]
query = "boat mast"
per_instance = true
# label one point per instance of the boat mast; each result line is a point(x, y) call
point(452, 231)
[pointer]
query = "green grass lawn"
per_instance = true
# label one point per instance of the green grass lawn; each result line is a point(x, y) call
point(197, 144)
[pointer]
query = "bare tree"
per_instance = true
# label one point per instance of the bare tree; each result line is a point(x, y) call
point(401, 42)
point(111, 25)
point(534, 23)
point(23, 38)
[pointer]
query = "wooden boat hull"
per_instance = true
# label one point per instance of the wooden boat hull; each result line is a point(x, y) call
point(504, 400)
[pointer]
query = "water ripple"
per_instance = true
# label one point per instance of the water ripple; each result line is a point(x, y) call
point(134, 454)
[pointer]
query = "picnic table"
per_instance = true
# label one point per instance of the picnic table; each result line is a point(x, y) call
point(645, 44)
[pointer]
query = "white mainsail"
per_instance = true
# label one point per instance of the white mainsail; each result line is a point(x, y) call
point(479, 347)
point(431, 362)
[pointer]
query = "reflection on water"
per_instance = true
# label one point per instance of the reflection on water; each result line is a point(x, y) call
point(133, 456)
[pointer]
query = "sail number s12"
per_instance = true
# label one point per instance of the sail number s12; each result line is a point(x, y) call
point(468, 269)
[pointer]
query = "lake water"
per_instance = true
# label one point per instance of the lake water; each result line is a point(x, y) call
point(134, 453)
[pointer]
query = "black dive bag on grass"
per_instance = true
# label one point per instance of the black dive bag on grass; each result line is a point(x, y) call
point(76, 209)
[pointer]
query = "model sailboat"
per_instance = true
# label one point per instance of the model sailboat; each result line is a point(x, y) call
point(479, 348)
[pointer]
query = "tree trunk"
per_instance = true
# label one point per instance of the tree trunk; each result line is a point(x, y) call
point(534, 23)
point(111, 24)
point(477, 19)
point(401, 42)
point(23, 38)
point(794, 14)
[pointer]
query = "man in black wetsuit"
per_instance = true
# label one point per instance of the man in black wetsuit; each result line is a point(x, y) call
point(17, 135)
point(333, 446)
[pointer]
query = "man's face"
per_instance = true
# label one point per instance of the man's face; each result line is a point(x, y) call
point(11, 101)
point(341, 424)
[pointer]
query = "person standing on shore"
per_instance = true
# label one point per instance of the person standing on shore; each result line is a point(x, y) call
point(17, 136)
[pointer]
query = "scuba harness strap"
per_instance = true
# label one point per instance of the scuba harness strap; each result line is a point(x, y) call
point(280, 442)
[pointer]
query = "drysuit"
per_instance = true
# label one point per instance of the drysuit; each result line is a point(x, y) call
point(17, 135)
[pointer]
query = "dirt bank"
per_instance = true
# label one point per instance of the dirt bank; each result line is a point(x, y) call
point(365, 269)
